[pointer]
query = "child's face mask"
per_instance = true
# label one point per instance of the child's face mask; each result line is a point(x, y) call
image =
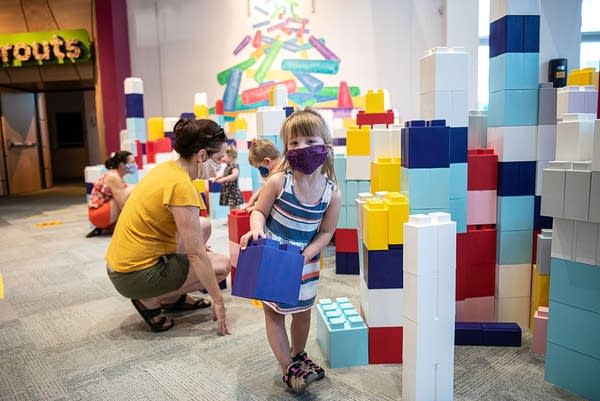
point(307, 160)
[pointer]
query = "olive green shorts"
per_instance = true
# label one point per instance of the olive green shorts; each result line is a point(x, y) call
point(166, 275)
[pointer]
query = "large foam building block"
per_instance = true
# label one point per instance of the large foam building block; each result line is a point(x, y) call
point(269, 271)
point(501, 8)
point(426, 188)
point(515, 34)
point(238, 223)
point(425, 146)
point(375, 224)
point(385, 345)
point(379, 307)
point(513, 107)
point(347, 263)
point(341, 333)
point(398, 208)
point(482, 170)
point(501, 334)
point(514, 71)
point(540, 330)
point(516, 178)
point(443, 69)
point(357, 141)
point(383, 269)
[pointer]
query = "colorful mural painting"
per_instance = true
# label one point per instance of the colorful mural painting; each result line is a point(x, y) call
point(283, 50)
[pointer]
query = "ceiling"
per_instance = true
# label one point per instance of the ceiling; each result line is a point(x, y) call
point(47, 15)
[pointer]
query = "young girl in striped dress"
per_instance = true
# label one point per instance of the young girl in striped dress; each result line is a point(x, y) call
point(298, 205)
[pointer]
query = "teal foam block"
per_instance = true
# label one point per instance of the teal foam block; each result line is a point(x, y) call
point(339, 164)
point(343, 219)
point(342, 335)
point(574, 328)
point(458, 212)
point(216, 211)
point(572, 371)
point(364, 186)
point(351, 192)
point(136, 129)
point(514, 247)
point(458, 180)
point(575, 284)
point(426, 188)
point(513, 107)
point(351, 216)
point(514, 71)
point(276, 139)
point(256, 179)
point(515, 213)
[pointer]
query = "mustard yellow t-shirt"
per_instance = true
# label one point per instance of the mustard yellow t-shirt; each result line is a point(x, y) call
point(146, 227)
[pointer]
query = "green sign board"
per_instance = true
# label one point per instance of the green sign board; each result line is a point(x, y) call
point(38, 48)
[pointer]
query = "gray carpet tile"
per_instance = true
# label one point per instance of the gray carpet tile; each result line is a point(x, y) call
point(66, 334)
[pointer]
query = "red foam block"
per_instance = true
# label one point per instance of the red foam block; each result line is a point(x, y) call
point(346, 240)
point(385, 345)
point(238, 222)
point(363, 118)
point(482, 169)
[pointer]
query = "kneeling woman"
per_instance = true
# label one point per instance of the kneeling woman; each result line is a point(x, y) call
point(110, 192)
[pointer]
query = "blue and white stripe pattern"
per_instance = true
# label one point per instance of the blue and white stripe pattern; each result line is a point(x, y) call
point(296, 223)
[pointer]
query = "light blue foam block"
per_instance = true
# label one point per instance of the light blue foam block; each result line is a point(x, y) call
point(351, 192)
point(339, 164)
point(458, 180)
point(575, 284)
point(426, 188)
point(136, 129)
point(574, 328)
point(572, 371)
point(515, 213)
point(458, 212)
point(513, 107)
point(514, 71)
point(216, 211)
point(514, 247)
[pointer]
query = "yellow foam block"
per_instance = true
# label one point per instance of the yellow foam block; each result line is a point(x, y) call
point(201, 111)
point(540, 288)
point(358, 141)
point(385, 175)
point(375, 102)
point(584, 76)
point(398, 212)
point(375, 224)
point(155, 128)
point(348, 122)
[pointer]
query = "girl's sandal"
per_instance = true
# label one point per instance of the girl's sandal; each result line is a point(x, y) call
point(165, 322)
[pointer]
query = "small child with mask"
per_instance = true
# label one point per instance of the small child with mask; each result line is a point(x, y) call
point(264, 156)
point(299, 205)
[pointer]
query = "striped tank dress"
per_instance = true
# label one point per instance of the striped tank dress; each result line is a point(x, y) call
point(297, 223)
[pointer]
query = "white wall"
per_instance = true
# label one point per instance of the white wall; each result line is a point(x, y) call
point(178, 46)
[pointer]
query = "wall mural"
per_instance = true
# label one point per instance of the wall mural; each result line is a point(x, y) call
point(282, 49)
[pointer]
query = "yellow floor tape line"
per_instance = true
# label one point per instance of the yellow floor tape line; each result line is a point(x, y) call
point(1, 287)
point(49, 224)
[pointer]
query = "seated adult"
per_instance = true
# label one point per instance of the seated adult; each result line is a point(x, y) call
point(110, 192)
point(142, 259)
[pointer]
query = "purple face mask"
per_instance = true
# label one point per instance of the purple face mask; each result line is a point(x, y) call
point(307, 160)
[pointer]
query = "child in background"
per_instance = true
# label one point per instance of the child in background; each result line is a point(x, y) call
point(265, 156)
point(230, 190)
point(299, 205)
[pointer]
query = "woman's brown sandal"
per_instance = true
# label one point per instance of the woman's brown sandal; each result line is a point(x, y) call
point(165, 322)
point(181, 305)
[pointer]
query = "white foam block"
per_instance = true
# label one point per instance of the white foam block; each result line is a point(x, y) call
point(200, 99)
point(395, 132)
point(420, 251)
point(358, 167)
point(429, 298)
point(446, 245)
point(133, 85)
point(515, 309)
point(590, 99)
point(269, 120)
point(382, 307)
point(570, 99)
point(540, 165)
point(546, 142)
point(445, 105)
point(500, 8)
point(169, 123)
point(544, 244)
point(586, 241)
point(245, 183)
point(575, 137)
point(594, 214)
point(517, 143)
point(477, 129)
point(596, 147)
point(380, 142)
point(553, 189)
point(577, 192)
point(92, 173)
point(444, 69)
point(513, 280)
point(563, 238)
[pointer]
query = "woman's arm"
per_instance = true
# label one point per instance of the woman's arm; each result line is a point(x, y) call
point(120, 192)
point(327, 228)
point(235, 173)
point(190, 232)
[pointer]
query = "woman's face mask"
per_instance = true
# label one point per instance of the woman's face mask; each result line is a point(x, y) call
point(131, 168)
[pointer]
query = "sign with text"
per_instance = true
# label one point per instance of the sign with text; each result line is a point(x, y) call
point(39, 48)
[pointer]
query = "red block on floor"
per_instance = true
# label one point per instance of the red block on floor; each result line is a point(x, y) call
point(385, 345)
point(363, 118)
point(482, 169)
point(346, 240)
point(238, 222)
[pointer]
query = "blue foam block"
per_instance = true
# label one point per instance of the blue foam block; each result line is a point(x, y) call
point(540, 221)
point(214, 186)
point(383, 269)
point(515, 213)
point(531, 33)
point(426, 188)
point(425, 147)
point(468, 333)
point(458, 144)
point(513, 107)
point(516, 178)
point(514, 247)
point(572, 371)
point(458, 211)
point(501, 334)
point(458, 180)
point(575, 284)
point(269, 271)
point(134, 105)
point(514, 71)
point(346, 263)
point(506, 35)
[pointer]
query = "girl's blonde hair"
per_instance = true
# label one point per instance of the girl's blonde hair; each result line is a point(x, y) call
point(231, 151)
point(308, 123)
point(262, 148)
